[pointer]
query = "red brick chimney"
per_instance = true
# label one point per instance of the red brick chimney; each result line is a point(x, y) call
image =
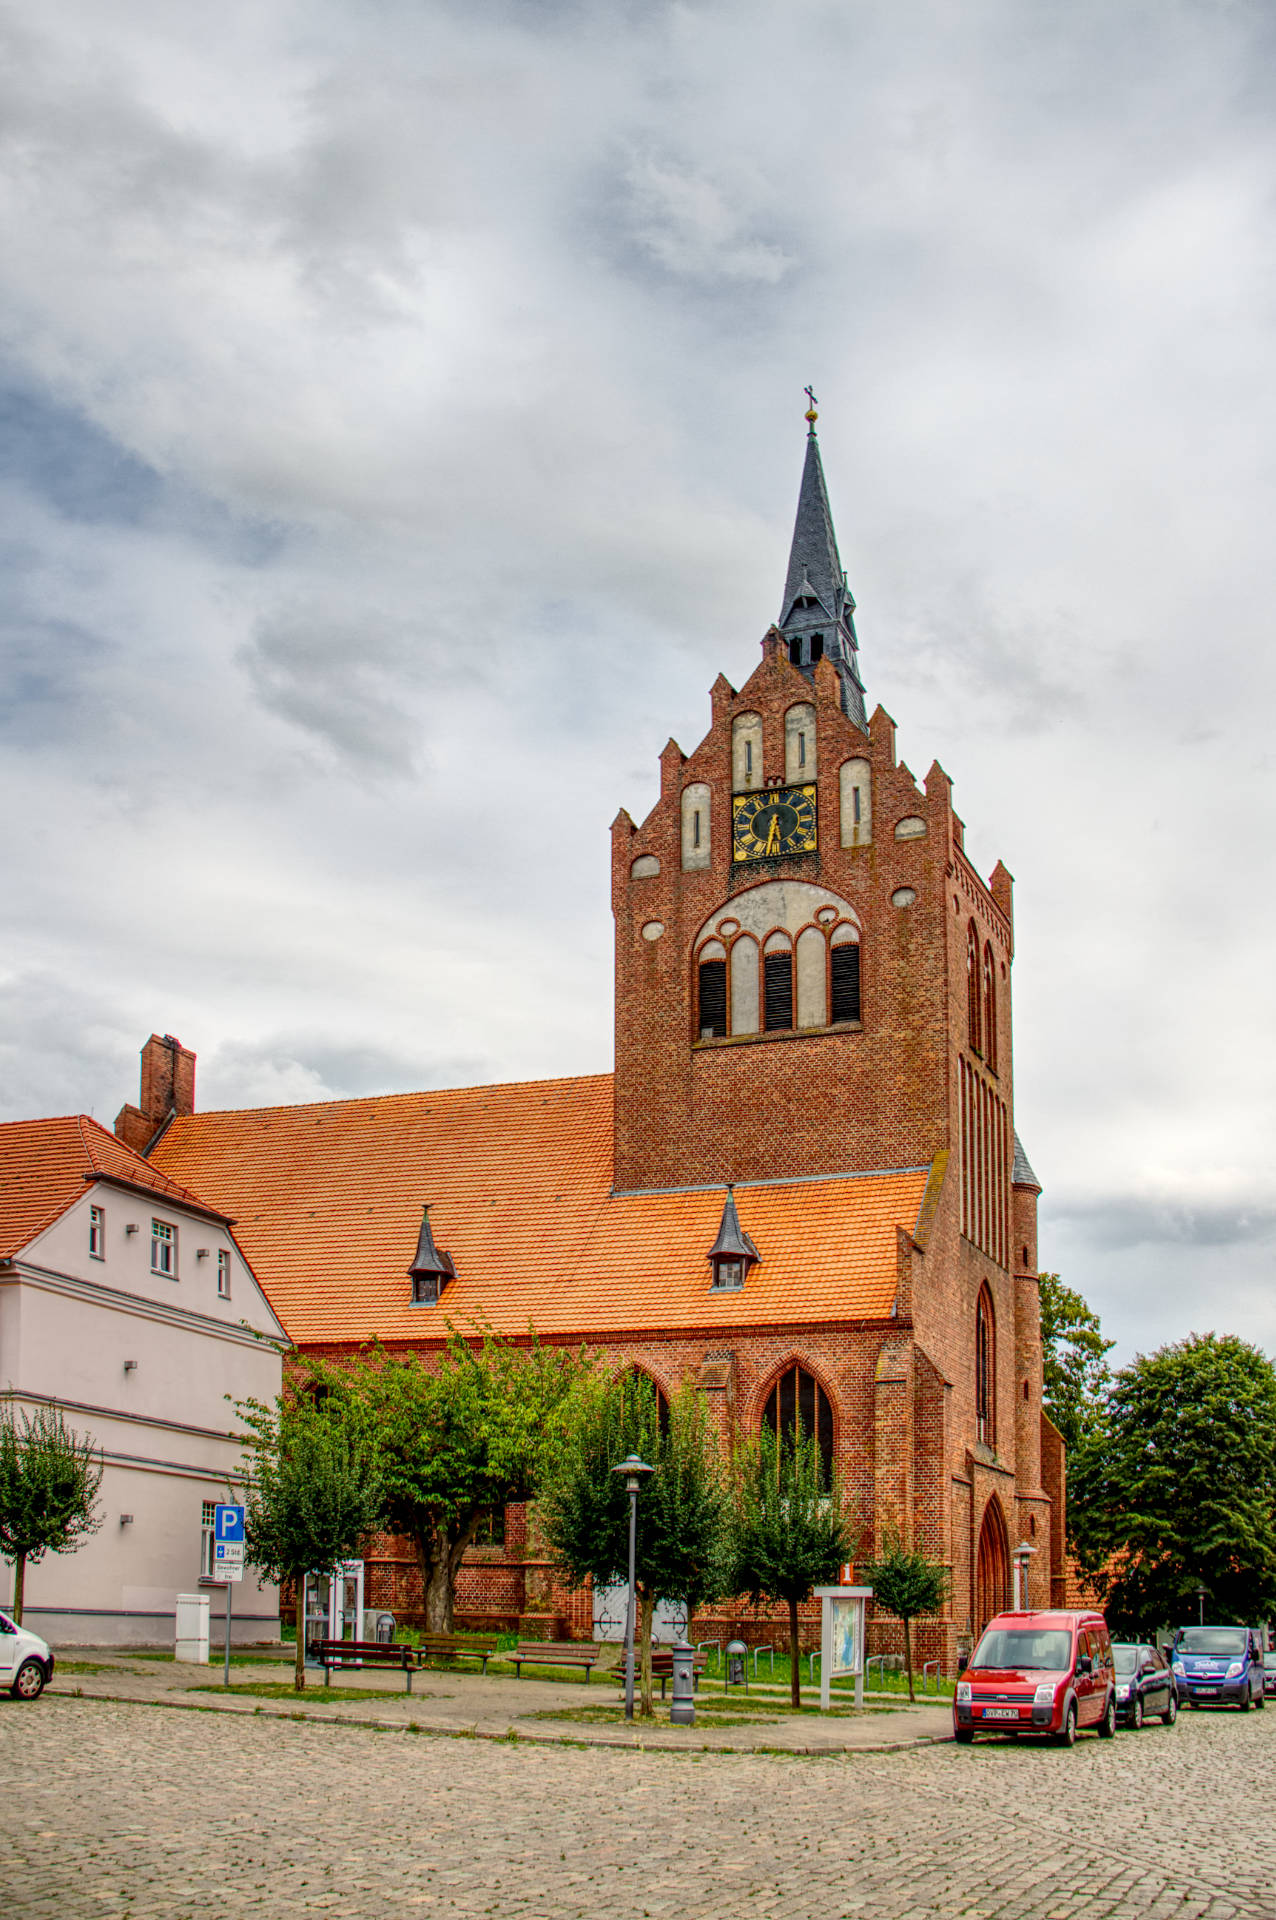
point(168, 1087)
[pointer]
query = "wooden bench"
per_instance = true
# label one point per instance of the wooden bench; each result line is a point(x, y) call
point(662, 1666)
point(450, 1646)
point(557, 1653)
point(367, 1653)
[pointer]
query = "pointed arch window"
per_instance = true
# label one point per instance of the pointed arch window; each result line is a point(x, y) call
point(636, 1380)
point(985, 1370)
point(972, 989)
point(798, 1406)
point(990, 1008)
point(777, 983)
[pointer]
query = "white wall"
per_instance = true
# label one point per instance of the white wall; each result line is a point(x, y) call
point(68, 1324)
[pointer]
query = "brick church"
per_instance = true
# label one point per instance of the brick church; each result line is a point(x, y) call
point(801, 1189)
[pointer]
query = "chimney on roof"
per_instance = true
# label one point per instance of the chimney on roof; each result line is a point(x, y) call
point(167, 1088)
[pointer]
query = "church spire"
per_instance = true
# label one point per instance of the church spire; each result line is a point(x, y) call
point(818, 615)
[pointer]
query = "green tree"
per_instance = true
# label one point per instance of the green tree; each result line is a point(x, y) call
point(1074, 1360)
point(312, 1492)
point(49, 1480)
point(479, 1429)
point(1177, 1486)
point(790, 1532)
point(681, 1540)
point(909, 1584)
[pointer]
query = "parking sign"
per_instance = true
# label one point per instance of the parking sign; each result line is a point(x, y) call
point(228, 1524)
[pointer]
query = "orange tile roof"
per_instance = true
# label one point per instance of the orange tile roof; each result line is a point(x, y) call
point(327, 1202)
point(46, 1164)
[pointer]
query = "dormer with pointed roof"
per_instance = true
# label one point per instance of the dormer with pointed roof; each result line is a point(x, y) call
point(732, 1253)
point(432, 1268)
point(817, 617)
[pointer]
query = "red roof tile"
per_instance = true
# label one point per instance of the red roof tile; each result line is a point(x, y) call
point(46, 1164)
point(327, 1201)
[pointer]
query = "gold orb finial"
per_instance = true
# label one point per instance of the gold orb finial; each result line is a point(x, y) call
point(811, 416)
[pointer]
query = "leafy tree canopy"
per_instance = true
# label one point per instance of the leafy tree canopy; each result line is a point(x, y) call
point(476, 1429)
point(1177, 1486)
point(1074, 1360)
point(49, 1480)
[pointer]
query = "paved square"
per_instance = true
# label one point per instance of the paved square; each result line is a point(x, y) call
point(122, 1809)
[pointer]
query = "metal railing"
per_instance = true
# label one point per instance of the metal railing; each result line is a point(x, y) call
point(702, 1644)
point(811, 1659)
point(880, 1660)
point(764, 1648)
point(930, 1666)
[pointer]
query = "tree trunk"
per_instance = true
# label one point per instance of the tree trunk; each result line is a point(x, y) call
point(795, 1670)
point(908, 1658)
point(436, 1589)
point(646, 1608)
point(19, 1586)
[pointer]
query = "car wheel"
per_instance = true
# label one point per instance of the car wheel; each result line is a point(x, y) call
point(963, 1735)
point(1260, 1701)
point(1067, 1734)
point(29, 1684)
point(1136, 1713)
point(1171, 1713)
point(1246, 1701)
point(1107, 1726)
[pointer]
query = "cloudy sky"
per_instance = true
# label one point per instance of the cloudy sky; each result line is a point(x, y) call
point(400, 427)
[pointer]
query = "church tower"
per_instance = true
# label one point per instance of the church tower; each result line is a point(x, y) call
point(801, 942)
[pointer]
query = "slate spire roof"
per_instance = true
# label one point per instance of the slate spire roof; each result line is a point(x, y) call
point(818, 604)
point(429, 1260)
point(732, 1242)
point(1022, 1174)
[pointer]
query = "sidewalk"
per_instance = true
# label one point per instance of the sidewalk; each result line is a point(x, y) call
point(498, 1707)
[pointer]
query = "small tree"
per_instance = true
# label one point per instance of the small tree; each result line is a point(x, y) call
point(312, 1492)
point(455, 1440)
point(790, 1531)
point(681, 1540)
point(907, 1583)
point(49, 1479)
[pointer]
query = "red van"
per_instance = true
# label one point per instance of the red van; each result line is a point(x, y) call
point(1043, 1673)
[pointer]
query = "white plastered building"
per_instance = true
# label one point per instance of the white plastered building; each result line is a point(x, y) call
point(127, 1303)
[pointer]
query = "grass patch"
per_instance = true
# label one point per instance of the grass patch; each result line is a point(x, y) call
point(281, 1690)
point(78, 1666)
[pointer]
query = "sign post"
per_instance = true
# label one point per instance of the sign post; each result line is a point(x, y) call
point(228, 1562)
point(842, 1638)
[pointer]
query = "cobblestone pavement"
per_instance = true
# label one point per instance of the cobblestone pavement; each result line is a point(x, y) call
point(142, 1811)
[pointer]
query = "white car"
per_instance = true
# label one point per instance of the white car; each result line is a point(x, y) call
point(26, 1665)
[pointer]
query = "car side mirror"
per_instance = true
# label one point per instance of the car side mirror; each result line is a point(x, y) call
point(1084, 1663)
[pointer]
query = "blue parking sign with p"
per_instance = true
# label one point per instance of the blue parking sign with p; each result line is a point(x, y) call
point(228, 1523)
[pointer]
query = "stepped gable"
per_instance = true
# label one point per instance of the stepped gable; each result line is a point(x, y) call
point(518, 1179)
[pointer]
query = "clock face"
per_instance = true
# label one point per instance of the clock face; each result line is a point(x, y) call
point(766, 825)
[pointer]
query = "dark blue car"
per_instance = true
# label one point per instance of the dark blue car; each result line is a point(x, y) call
point(1219, 1667)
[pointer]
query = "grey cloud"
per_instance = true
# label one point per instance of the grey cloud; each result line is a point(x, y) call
point(342, 683)
point(288, 1068)
point(1133, 1221)
point(63, 1049)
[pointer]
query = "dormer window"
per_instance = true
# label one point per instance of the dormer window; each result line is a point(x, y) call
point(432, 1268)
point(732, 1253)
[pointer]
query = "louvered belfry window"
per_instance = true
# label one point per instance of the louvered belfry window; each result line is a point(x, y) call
point(713, 998)
point(846, 982)
point(778, 991)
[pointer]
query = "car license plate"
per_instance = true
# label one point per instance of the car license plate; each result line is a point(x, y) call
point(1001, 1713)
point(1204, 1690)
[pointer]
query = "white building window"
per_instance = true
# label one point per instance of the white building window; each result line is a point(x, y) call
point(164, 1248)
point(207, 1518)
point(223, 1275)
point(97, 1233)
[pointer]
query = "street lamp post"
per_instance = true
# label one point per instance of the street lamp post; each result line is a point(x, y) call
point(635, 1472)
point(1201, 1591)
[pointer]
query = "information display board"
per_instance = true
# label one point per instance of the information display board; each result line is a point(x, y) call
point(842, 1639)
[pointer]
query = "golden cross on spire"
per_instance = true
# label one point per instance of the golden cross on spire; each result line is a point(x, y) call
point(811, 415)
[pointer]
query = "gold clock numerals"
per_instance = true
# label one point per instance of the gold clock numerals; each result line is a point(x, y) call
point(769, 825)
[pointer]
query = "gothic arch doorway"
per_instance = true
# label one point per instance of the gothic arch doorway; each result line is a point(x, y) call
point(992, 1568)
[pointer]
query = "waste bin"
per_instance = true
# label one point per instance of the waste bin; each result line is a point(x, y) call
point(385, 1629)
point(682, 1711)
point(737, 1672)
